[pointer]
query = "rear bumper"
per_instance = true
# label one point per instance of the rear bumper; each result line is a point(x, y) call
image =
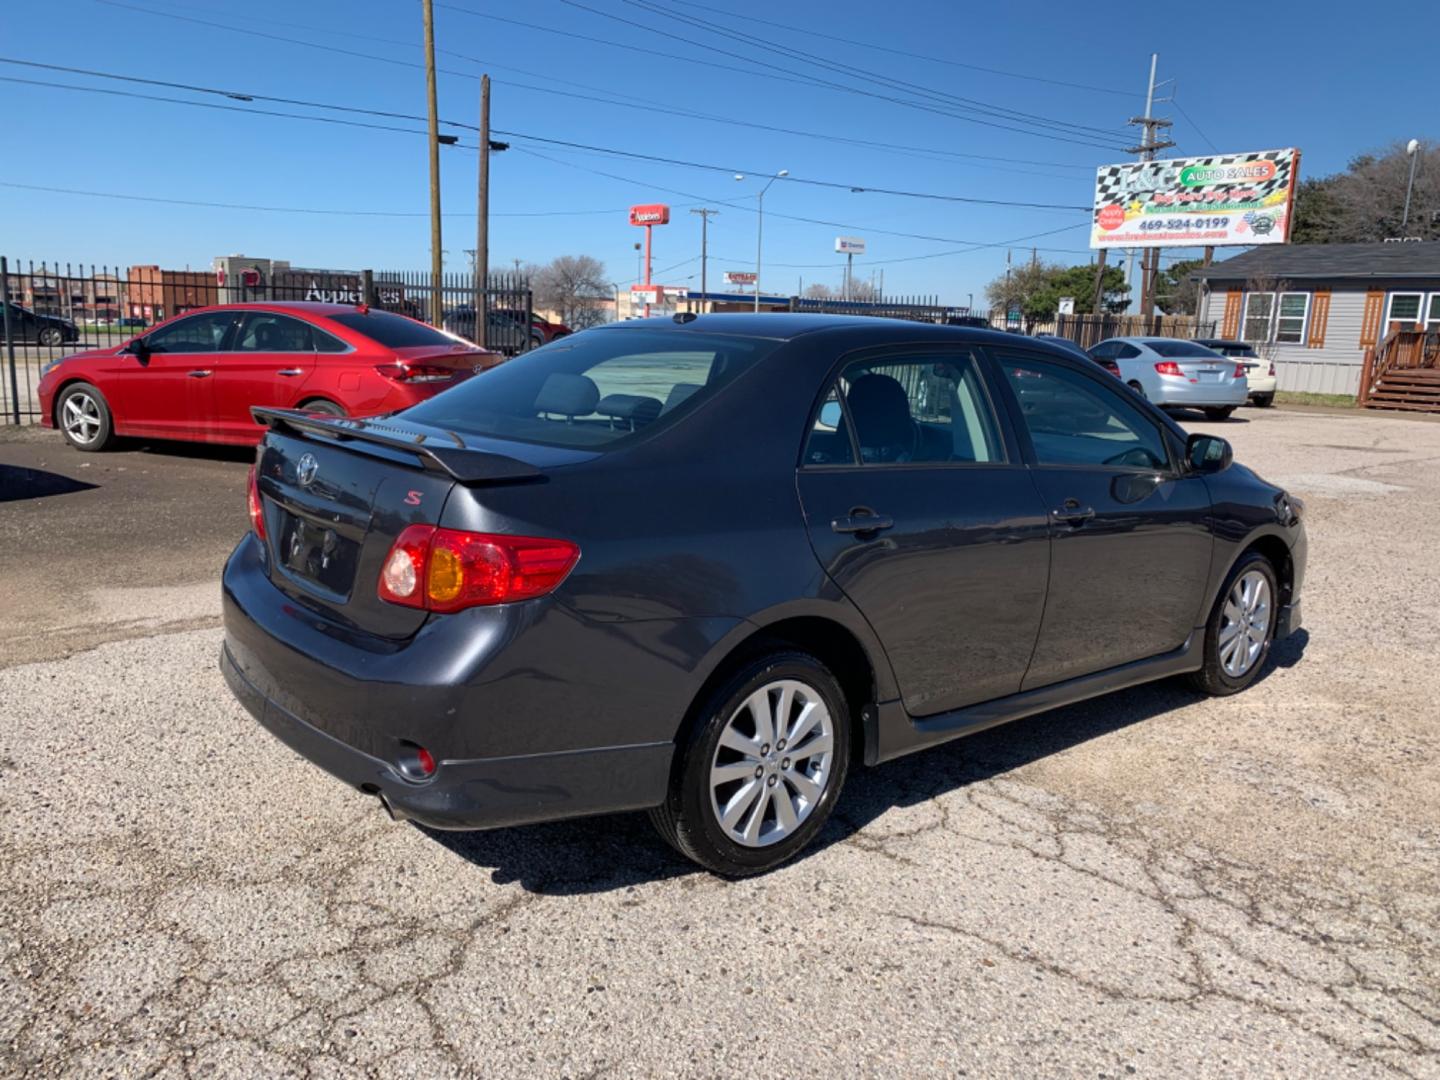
point(483, 794)
point(1181, 392)
point(357, 710)
point(1260, 385)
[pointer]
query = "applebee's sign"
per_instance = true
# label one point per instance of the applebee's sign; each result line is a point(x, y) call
point(650, 214)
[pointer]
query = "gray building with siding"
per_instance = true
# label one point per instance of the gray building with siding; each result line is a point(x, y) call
point(1315, 308)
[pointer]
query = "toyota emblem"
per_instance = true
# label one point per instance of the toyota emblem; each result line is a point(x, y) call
point(306, 470)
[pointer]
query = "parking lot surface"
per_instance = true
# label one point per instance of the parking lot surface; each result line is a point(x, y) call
point(1146, 884)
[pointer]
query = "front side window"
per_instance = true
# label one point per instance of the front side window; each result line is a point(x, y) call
point(265, 331)
point(595, 390)
point(925, 409)
point(1076, 420)
point(197, 334)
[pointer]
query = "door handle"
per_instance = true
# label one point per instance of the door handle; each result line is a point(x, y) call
point(289, 371)
point(861, 523)
point(201, 373)
point(1072, 513)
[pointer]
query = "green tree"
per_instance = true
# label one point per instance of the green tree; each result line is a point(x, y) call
point(1036, 288)
point(1175, 293)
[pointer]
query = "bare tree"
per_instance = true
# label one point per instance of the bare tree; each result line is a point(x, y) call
point(1366, 202)
point(575, 288)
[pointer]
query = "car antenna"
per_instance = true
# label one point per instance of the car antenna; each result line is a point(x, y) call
point(683, 317)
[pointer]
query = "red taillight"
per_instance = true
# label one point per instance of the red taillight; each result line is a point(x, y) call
point(1169, 367)
point(415, 373)
point(1240, 371)
point(257, 509)
point(425, 760)
point(449, 569)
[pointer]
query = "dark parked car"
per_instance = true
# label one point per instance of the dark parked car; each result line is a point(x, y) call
point(1074, 349)
point(33, 327)
point(503, 333)
point(701, 566)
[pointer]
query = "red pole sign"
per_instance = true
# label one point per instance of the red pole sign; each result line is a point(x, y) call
point(649, 215)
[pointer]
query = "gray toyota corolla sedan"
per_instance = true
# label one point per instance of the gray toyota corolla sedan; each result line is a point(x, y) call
point(705, 566)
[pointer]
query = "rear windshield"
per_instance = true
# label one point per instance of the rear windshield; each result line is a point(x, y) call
point(393, 331)
point(1175, 347)
point(595, 389)
point(1233, 348)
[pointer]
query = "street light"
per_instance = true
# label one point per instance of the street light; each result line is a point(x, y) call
point(760, 225)
point(1410, 148)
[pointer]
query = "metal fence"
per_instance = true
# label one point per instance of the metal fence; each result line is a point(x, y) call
point(51, 310)
point(914, 308)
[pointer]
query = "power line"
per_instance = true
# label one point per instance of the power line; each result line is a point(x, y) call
point(811, 32)
point(879, 78)
point(611, 151)
point(1091, 142)
point(329, 211)
point(1205, 138)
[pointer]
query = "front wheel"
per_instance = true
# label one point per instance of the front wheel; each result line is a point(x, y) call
point(83, 417)
point(762, 768)
point(51, 337)
point(1241, 629)
point(1134, 384)
point(1218, 413)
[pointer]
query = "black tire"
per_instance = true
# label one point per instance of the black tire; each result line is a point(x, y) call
point(1134, 384)
point(50, 336)
point(87, 402)
point(1264, 401)
point(688, 817)
point(323, 407)
point(1213, 678)
point(1215, 412)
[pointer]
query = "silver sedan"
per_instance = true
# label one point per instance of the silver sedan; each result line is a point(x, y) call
point(1177, 374)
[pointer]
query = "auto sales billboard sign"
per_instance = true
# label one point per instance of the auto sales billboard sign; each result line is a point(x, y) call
point(1196, 202)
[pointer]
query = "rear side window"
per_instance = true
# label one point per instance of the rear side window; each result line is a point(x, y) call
point(266, 331)
point(597, 389)
point(394, 331)
point(910, 410)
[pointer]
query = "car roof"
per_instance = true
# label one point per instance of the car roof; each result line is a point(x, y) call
point(289, 307)
point(786, 326)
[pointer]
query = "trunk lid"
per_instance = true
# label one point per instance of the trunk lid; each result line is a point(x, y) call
point(337, 493)
point(459, 357)
point(1217, 370)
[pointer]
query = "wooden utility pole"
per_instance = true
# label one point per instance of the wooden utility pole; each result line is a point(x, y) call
point(1149, 143)
point(437, 309)
point(1099, 282)
point(705, 214)
point(482, 220)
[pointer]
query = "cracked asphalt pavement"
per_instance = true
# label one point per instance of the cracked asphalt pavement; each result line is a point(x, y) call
point(1145, 884)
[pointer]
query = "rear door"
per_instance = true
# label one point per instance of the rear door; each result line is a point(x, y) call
point(171, 392)
point(271, 358)
point(919, 508)
point(1130, 531)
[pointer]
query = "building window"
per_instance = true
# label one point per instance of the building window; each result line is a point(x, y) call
point(1267, 320)
point(1259, 307)
point(1290, 319)
point(1404, 308)
point(1432, 316)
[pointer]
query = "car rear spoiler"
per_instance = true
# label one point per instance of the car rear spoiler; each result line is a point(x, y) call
point(464, 463)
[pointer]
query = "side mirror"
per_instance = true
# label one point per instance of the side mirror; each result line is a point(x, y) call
point(1208, 453)
point(140, 349)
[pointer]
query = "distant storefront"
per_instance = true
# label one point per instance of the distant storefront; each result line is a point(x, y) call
point(1315, 308)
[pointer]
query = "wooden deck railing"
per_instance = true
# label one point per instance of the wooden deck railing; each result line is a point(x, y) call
point(1401, 350)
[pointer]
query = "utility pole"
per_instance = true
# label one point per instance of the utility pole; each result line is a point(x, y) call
point(1149, 143)
point(437, 311)
point(482, 221)
point(1099, 283)
point(705, 213)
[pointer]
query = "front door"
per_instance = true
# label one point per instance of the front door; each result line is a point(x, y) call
point(1131, 541)
point(925, 517)
point(171, 393)
point(270, 360)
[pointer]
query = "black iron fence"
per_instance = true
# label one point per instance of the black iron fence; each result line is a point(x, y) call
point(51, 310)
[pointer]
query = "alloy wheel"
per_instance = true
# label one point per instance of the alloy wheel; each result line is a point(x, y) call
point(773, 763)
point(1245, 623)
point(80, 416)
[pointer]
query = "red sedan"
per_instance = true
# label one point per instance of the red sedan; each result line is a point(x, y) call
point(195, 376)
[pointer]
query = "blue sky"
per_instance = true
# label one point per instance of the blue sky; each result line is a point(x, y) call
point(1284, 75)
